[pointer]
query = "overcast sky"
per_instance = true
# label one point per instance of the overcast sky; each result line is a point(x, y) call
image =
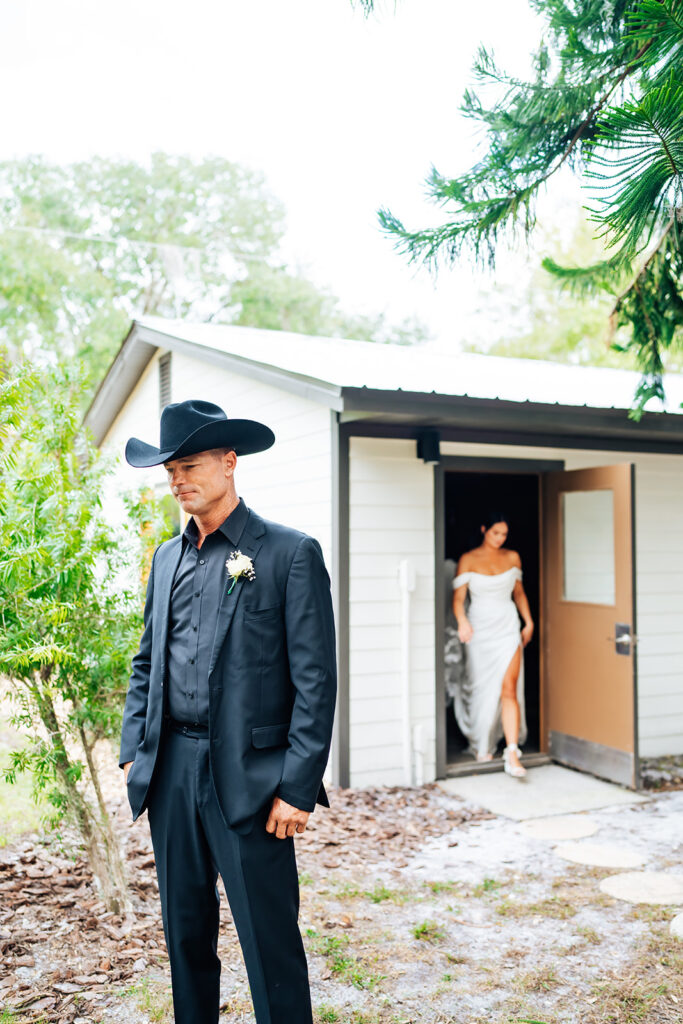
point(342, 114)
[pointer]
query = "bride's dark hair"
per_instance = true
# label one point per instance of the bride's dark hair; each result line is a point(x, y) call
point(494, 515)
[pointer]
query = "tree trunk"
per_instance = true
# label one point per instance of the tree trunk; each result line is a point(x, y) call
point(112, 889)
point(115, 863)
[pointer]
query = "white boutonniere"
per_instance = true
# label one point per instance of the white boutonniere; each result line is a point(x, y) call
point(239, 565)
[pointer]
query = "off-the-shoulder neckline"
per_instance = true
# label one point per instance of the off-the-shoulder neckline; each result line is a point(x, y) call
point(492, 575)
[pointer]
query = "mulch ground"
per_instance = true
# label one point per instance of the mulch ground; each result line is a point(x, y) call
point(662, 773)
point(64, 958)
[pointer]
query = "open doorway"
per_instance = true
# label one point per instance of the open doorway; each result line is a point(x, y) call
point(467, 498)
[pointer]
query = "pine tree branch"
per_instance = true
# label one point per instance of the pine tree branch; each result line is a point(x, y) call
point(593, 112)
point(634, 282)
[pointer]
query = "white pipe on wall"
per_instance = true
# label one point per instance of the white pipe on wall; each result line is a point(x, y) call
point(419, 748)
point(407, 582)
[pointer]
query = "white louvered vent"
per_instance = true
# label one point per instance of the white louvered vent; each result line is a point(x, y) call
point(164, 381)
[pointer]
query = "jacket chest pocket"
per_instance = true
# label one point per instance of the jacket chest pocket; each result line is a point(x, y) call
point(263, 633)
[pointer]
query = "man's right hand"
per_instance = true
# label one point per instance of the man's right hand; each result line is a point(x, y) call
point(126, 769)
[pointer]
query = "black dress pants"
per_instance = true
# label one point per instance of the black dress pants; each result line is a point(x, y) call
point(192, 846)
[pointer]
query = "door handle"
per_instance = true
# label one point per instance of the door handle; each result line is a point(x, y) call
point(624, 641)
point(624, 638)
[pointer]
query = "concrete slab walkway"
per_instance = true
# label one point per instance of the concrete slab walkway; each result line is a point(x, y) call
point(547, 790)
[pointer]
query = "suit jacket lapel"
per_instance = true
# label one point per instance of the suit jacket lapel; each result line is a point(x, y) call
point(249, 544)
point(162, 597)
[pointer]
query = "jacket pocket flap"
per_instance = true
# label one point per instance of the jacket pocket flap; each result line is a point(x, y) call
point(263, 613)
point(270, 735)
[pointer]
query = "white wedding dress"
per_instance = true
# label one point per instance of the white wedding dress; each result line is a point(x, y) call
point(496, 636)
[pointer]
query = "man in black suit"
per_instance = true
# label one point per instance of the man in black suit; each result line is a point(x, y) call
point(228, 718)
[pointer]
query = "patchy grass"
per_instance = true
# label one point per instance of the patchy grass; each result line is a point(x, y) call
point(341, 962)
point(589, 935)
point(554, 906)
point(486, 888)
point(326, 1015)
point(346, 891)
point(648, 991)
point(381, 892)
point(654, 913)
point(305, 878)
point(454, 958)
point(429, 931)
point(237, 1005)
point(153, 999)
point(541, 980)
point(439, 887)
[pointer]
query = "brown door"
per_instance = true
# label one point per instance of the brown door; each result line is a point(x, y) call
point(589, 678)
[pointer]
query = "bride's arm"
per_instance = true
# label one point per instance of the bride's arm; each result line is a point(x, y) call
point(522, 602)
point(465, 630)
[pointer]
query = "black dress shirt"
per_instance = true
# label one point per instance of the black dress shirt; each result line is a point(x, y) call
point(196, 595)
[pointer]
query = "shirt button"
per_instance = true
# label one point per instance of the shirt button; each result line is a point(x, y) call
point(196, 593)
point(201, 561)
point(194, 628)
point(191, 661)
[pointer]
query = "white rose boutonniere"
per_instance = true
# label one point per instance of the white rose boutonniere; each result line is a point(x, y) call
point(239, 565)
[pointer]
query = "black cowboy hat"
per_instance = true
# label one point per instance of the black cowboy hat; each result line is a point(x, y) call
point(196, 426)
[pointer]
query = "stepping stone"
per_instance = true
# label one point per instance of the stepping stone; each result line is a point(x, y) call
point(645, 887)
point(564, 826)
point(677, 926)
point(601, 855)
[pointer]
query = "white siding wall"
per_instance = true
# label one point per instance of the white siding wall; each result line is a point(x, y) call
point(290, 483)
point(659, 580)
point(391, 518)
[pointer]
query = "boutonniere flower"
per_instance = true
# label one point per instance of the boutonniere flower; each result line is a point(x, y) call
point(239, 565)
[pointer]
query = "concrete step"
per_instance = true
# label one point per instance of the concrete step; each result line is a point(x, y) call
point(458, 769)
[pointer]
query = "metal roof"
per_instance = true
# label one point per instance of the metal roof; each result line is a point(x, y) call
point(424, 368)
point(405, 388)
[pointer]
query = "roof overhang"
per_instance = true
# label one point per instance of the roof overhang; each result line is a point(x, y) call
point(138, 349)
point(399, 413)
point(371, 412)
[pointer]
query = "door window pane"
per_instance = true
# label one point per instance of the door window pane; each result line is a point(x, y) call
point(588, 546)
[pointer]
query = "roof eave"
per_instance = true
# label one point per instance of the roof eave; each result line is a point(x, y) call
point(125, 371)
point(454, 415)
point(138, 349)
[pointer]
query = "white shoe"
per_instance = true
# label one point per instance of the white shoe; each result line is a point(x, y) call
point(517, 771)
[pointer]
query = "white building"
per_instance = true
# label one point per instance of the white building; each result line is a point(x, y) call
point(389, 455)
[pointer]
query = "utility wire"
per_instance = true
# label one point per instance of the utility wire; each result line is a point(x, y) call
point(108, 240)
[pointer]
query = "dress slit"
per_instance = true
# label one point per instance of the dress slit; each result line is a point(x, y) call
point(521, 663)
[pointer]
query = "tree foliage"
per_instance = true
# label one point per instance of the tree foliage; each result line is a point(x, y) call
point(277, 299)
point(605, 100)
point(70, 606)
point(86, 247)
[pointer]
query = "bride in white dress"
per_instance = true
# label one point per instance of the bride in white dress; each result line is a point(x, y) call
point(490, 703)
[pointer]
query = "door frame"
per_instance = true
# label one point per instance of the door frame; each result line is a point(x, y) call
point(477, 464)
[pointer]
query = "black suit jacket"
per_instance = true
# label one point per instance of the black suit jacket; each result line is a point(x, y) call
point(272, 677)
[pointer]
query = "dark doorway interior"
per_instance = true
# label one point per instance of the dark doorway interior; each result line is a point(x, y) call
point(468, 496)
